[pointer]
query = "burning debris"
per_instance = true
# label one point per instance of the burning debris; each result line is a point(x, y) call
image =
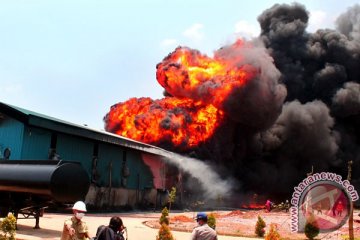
point(264, 111)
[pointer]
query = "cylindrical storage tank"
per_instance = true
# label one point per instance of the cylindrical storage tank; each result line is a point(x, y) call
point(61, 181)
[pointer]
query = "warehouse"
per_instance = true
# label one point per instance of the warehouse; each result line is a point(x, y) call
point(122, 172)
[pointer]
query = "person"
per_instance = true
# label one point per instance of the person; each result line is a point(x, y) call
point(268, 205)
point(333, 210)
point(203, 231)
point(112, 232)
point(339, 208)
point(319, 208)
point(287, 206)
point(75, 228)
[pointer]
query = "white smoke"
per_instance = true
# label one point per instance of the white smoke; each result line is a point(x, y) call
point(212, 184)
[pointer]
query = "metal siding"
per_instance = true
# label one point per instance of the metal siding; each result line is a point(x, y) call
point(11, 136)
point(140, 174)
point(36, 143)
point(157, 168)
point(34, 119)
point(77, 149)
point(107, 154)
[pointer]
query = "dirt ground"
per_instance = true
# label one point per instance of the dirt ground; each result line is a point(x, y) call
point(230, 225)
point(242, 223)
point(51, 225)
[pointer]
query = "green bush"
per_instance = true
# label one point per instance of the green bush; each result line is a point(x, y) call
point(260, 227)
point(164, 218)
point(164, 233)
point(273, 233)
point(211, 221)
point(311, 228)
point(8, 227)
point(172, 197)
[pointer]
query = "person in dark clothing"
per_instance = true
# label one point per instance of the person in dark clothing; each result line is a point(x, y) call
point(112, 232)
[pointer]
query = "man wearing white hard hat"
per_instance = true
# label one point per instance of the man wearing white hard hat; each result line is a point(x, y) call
point(75, 228)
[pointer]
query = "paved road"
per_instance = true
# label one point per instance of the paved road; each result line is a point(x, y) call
point(51, 226)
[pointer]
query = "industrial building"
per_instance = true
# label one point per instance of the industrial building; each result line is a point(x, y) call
point(122, 172)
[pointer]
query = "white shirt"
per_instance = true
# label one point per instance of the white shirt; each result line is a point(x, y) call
point(203, 232)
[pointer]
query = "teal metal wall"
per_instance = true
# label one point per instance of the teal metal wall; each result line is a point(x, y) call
point(110, 156)
point(11, 136)
point(72, 148)
point(140, 174)
point(36, 143)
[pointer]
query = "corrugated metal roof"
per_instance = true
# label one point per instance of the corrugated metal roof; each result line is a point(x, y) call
point(43, 121)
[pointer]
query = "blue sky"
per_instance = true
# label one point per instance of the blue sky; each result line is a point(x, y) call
point(74, 59)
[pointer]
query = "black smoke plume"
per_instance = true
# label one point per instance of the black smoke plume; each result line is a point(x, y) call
point(319, 126)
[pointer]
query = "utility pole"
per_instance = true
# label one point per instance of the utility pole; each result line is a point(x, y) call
point(351, 213)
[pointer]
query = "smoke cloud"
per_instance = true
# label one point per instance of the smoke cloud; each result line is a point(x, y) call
point(349, 23)
point(211, 185)
point(346, 102)
point(319, 122)
point(302, 137)
point(300, 109)
point(259, 102)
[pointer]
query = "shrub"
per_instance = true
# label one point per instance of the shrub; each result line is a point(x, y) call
point(260, 227)
point(8, 227)
point(172, 196)
point(164, 233)
point(211, 221)
point(273, 233)
point(164, 218)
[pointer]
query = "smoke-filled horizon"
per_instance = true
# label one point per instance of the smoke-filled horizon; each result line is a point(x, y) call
point(319, 123)
point(297, 108)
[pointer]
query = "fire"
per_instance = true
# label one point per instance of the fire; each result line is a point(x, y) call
point(181, 121)
point(253, 206)
point(197, 86)
point(187, 73)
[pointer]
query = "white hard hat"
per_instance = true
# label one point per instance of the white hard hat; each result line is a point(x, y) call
point(80, 206)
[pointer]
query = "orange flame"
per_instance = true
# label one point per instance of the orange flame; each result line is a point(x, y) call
point(253, 206)
point(181, 121)
point(198, 86)
point(187, 73)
